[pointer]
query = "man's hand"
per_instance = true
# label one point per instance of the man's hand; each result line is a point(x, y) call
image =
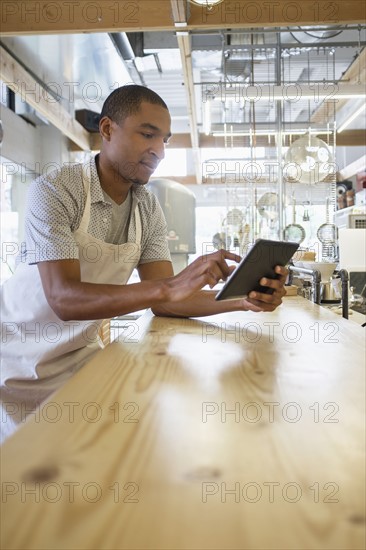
point(258, 301)
point(209, 270)
point(205, 270)
point(166, 294)
point(72, 299)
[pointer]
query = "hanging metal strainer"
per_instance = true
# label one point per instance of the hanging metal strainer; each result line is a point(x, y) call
point(268, 206)
point(294, 232)
point(328, 235)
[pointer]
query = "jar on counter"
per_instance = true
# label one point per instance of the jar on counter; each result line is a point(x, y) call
point(350, 197)
point(341, 201)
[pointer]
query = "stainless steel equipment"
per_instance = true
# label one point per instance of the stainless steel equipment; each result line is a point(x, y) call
point(323, 292)
point(331, 291)
point(179, 206)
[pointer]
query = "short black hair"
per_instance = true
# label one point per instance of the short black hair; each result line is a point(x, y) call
point(126, 101)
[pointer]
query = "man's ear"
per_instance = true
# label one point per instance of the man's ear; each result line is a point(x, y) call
point(105, 128)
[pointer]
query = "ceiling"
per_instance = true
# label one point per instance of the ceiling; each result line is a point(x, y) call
point(240, 59)
point(206, 66)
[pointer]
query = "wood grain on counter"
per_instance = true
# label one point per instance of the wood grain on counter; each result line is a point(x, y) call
point(237, 431)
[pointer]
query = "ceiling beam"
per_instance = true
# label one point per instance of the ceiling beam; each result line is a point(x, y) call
point(18, 79)
point(277, 14)
point(346, 138)
point(186, 56)
point(352, 169)
point(183, 141)
point(180, 16)
point(355, 74)
point(351, 138)
point(59, 16)
point(177, 141)
point(180, 11)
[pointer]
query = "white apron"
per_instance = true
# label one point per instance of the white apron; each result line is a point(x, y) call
point(39, 351)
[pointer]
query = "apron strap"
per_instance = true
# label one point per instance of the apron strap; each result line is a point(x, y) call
point(84, 224)
point(138, 225)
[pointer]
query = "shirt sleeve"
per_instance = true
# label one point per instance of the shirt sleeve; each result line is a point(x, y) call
point(154, 244)
point(52, 215)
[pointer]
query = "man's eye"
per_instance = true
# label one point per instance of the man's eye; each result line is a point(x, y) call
point(148, 136)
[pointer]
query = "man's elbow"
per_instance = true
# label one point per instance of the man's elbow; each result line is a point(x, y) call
point(164, 311)
point(159, 311)
point(60, 308)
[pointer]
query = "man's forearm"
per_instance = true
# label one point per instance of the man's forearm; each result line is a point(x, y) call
point(200, 305)
point(72, 299)
point(84, 301)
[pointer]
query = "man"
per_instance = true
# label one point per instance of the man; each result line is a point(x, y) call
point(87, 227)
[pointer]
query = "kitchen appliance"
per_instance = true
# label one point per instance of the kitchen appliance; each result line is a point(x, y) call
point(331, 291)
point(326, 268)
point(352, 257)
point(352, 249)
point(179, 206)
point(330, 285)
point(352, 217)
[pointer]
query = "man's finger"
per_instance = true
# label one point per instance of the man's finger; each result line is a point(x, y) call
point(231, 256)
point(282, 271)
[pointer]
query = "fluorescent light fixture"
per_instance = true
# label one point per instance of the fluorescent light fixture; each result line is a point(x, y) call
point(206, 3)
point(271, 133)
point(351, 118)
point(285, 92)
point(207, 124)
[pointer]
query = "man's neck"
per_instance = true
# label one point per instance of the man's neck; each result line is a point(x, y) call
point(115, 187)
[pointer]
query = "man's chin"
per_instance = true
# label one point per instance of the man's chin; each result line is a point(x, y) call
point(139, 181)
point(143, 176)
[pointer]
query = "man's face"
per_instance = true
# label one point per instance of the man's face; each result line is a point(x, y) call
point(137, 145)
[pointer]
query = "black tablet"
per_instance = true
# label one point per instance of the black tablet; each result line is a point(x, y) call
point(259, 262)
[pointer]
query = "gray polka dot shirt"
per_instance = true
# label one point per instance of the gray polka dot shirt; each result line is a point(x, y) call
point(55, 207)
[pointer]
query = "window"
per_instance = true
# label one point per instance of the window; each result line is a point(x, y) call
point(174, 164)
point(14, 186)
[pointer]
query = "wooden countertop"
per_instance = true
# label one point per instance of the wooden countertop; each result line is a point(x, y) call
point(238, 431)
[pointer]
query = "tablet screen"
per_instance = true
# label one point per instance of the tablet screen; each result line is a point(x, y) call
point(259, 262)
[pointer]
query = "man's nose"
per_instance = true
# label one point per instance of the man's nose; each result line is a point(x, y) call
point(158, 150)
